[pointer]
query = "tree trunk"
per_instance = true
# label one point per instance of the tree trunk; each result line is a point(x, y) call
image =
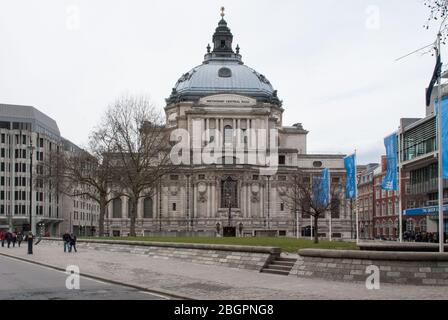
point(102, 215)
point(133, 216)
point(316, 233)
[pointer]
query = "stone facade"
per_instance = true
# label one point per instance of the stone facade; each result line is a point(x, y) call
point(225, 105)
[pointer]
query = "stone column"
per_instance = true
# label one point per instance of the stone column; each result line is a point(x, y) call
point(195, 202)
point(140, 208)
point(213, 213)
point(207, 136)
point(123, 207)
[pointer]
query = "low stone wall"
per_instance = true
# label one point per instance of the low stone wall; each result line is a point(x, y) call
point(421, 268)
point(403, 246)
point(243, 257)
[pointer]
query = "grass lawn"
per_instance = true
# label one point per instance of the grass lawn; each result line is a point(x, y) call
point(286, 244)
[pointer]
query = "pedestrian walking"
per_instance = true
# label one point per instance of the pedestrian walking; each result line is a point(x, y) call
point(14, 239)
point(19, 238)
point(73, 242)
point(66, 240)
point(8, 238)
point(2, 238)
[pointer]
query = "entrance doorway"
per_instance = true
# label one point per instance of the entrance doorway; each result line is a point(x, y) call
point(229, 231)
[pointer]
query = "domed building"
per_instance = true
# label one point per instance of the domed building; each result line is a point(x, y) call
point(225, 104)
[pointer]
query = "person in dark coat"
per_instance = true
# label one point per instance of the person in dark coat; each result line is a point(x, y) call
point(8, 238)
point(66, 240)
point(19, 238)
point(14, 239)
point(73, 242)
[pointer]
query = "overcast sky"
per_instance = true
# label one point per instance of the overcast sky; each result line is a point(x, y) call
point(332, 62)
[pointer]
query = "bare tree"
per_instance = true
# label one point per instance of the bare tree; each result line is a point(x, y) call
point(438, 13)
point(141, 149)
point(76, 172)
point(303, 193)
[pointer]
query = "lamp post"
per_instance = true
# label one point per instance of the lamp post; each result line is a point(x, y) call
point(30, 243)
point(229, 204)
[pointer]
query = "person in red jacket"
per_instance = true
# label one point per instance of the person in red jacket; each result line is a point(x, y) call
point(2, 238)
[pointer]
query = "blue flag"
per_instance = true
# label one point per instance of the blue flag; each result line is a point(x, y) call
point(390, 181)
point(350, 183)
point(321, 188)
point(444, 131)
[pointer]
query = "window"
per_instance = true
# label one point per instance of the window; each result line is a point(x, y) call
point(255, 177)
point(335, 208)
point(229, 193)
point(282, 160)
point(202, 177)
point(147, 208)
point(116, 208)
point(174, 177)
point(282, 206)
point(174, 206)
point(305, 204)
point(317, 164)
point(281, 178)
point(228, 135)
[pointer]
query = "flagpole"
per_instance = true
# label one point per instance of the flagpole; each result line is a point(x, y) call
point(329, 198)
point(297, 224)
point(311, 227)
point(400, 191)
point(439, 144)
point(356, 200)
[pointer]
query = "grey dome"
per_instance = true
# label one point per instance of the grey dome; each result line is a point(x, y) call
point(223, 72)
point(206, 79)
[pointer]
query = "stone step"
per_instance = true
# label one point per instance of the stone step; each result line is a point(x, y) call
point(286, 259)
point(282, 273)
point(283, 263)
point(279, 267)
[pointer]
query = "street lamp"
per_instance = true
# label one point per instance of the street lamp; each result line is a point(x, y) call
point(31, 148)
point(229, 205)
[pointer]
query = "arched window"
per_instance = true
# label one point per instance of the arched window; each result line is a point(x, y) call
point(228, 135)
point(147, 208)
point(229, 193)
point(116, 208)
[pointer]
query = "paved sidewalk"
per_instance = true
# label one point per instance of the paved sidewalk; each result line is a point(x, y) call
point(212, 282)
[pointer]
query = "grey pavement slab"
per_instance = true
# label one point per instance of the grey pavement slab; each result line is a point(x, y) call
point(26, 281)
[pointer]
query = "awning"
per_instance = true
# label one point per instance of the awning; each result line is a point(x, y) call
point(425, 211)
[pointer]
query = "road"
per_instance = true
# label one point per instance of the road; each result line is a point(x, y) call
point(26, 281)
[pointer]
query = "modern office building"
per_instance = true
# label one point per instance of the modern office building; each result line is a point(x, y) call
point(26, 132)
